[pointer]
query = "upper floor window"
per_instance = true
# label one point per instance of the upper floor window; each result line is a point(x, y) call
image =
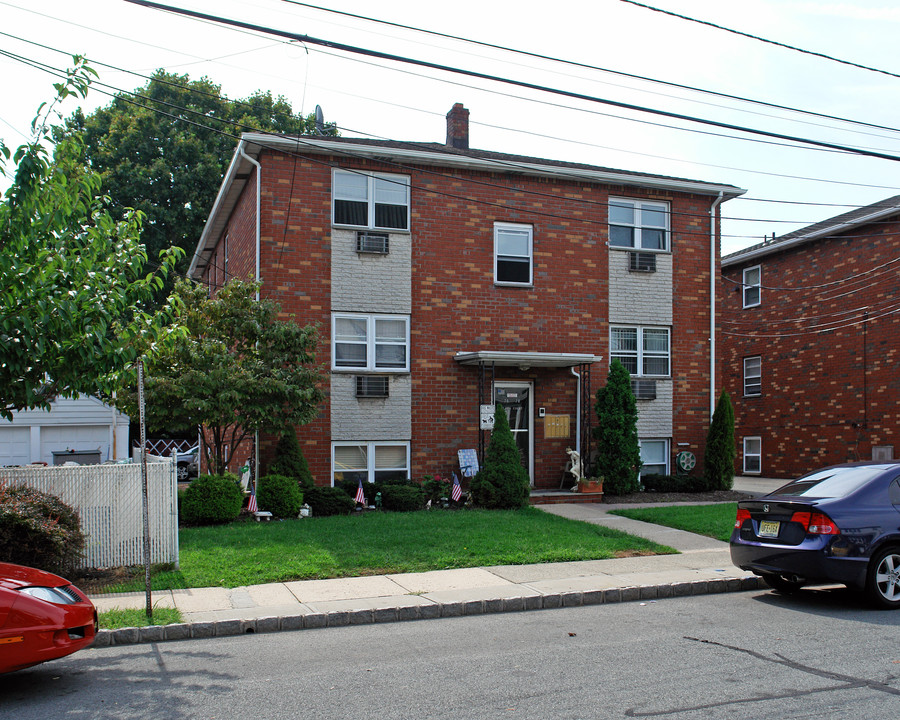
point(752, 285)
point(371, 200)
point(752, 376)
point(643, 351)
point(513, 253)
point(638, 224)
point(370, 342)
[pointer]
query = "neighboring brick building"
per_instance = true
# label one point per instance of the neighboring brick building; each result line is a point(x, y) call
point(438, 273)
point(811, 344)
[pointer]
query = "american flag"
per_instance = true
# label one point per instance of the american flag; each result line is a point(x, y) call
point(360, 495)
point(251, 506)
point(456, 493)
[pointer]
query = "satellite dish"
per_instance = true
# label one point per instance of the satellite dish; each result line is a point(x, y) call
point(320, 121)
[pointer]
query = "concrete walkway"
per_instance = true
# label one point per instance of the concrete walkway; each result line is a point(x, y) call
point(702, 566)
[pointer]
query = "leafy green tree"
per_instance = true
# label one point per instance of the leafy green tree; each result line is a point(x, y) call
point(618, 450)
point(164, 148)
point(502, 483)
point(236, 369)
point(75, 296)
point(718, 459)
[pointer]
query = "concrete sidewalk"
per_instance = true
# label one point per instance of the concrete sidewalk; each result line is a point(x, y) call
point(702, 566)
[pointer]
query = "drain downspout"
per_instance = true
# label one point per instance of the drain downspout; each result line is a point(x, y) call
point(577, 412)
point(258, 204)
point(712, 303)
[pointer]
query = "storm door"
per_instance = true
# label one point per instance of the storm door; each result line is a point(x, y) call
point(517, 398)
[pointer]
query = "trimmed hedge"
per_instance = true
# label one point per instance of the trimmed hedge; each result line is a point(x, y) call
point(402, 498)
point(673, 483)
point(326, 501)
point(39, 530)
point(212, 500)
point(280, 495)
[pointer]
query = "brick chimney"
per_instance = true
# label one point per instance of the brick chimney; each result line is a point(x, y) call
point(458, 127)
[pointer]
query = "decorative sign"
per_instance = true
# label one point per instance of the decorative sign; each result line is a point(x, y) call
point(468, 462)
point(487, 417)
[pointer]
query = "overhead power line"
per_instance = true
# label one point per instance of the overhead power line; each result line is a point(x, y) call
point(586, 66)
point(762, 39)
point(508, 81)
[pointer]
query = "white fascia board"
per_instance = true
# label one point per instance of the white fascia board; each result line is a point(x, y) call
point(530, 359)
point(431, 157)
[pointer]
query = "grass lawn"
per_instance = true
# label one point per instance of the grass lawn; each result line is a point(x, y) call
point(715, 521)
point(377, 543)
point(114, 619)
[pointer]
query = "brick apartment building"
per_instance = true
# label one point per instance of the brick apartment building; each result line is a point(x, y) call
point(443, 277)
point(811, 344)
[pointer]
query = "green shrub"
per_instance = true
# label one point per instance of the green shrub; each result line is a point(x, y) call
point(212, 500)
point(718, 458)
point(673, 483)
point(618, 451)
point(290, 461)
point(436, 488)
point(280, 495)
point(329, 501)
point(402, 498)
point(503, 482)
point(39, 530)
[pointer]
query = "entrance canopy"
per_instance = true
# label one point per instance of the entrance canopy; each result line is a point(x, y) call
point(525, 360)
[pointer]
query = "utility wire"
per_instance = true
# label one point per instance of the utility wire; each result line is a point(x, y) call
point(761, 39)
point(590, 67)
point(508, 81)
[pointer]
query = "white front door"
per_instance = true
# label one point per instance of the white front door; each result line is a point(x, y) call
point(517, 398)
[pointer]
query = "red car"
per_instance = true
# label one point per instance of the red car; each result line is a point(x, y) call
point(42, 617)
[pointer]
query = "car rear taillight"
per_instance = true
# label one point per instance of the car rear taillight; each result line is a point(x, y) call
point(816, 523)
point(742, 515)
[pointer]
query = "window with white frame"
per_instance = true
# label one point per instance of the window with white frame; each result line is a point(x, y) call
point(655, 457)
point(752, 376)
point(752, 286)
point(638, 224)
point(513, 245)
point(752, 455)
point(644, 351)
point(370, 200)
point(370, 342)
point(369, 461)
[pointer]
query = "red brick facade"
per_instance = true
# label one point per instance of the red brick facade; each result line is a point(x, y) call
point(826, 331)
point(455, 304)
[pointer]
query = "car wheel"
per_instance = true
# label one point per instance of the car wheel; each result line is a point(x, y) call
point(182, 473)
point(883, 580)
point(782, 583)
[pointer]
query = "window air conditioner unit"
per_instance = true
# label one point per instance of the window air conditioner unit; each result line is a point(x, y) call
point(368, 242)
point(371, 386)
point(644, 389)
point(642, 262)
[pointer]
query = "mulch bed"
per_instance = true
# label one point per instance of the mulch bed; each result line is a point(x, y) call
point(674, 497)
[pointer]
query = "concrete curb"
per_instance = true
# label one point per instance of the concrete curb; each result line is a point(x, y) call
point(344, 618)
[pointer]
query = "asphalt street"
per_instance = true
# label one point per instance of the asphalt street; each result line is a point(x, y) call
point(819, 654)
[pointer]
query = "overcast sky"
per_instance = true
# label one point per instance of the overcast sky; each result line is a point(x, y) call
point(381, 99)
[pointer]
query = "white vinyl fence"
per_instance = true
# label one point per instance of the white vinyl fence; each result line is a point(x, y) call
point(108, 499)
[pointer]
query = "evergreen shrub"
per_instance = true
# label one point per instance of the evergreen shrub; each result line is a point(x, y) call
point(673, 483)
point(618, 450)
point(718, 459)
point(402, 498)
point(212, 500)
point(503, 482)
point(329, 501)
point(280, 495)
point(39, 530)
point(290, 461)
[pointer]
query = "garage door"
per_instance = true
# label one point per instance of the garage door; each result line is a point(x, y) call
point(74, 437)
point(15, 446)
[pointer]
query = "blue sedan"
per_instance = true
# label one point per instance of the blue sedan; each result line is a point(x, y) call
point(837, 525)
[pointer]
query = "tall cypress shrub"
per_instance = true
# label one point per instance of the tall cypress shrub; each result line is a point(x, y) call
point(503, 482)
point(718, 460)
point(290, 461)
point(618, 450)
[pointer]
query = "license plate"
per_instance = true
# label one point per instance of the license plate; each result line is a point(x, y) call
point(769, 528)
